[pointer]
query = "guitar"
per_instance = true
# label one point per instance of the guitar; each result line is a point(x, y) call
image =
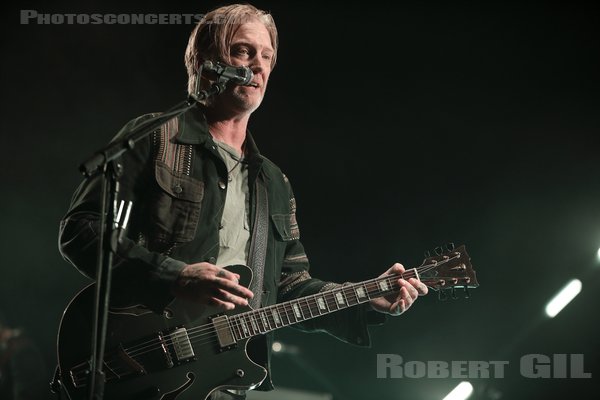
point(191, 350)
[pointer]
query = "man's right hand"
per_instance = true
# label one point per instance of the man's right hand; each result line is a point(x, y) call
point(209, 284)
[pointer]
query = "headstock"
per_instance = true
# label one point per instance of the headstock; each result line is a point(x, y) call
point(449, 269)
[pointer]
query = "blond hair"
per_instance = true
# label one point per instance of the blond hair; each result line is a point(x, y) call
point(212, 37)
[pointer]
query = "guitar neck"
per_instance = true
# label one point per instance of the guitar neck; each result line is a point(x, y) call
point(267, 319)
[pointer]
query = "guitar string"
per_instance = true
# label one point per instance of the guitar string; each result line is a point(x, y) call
point(391, 279)
point(123, 370)
point(116, 367)
point(196, 334)
point(286, 307)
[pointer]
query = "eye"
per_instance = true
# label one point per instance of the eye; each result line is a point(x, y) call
point(241, 51)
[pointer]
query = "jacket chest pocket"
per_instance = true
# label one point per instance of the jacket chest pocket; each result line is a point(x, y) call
point(175, 208)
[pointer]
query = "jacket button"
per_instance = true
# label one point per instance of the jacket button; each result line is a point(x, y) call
point(222, 185)
point(178, 189)
point(212, 260)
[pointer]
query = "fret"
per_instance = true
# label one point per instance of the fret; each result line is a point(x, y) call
point(339, 298)
point(271, 318)
point(360, 292)
point(297, 312)
point(256, 317)
point(383, 285)
point(321, 305)
point(276, 317)
point(254, 324)
point(331, 301)
point(353, 297)
point(287, 315)
point(236, 327)
point(245, 327)
point(264, 320)
point(372, 288)
point(309, 307)
point(343, 291)
point(291, 312)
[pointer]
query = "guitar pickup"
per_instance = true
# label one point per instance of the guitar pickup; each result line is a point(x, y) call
point(181, 344)
point(224, 332)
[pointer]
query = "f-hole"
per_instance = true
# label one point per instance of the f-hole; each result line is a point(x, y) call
point(175, 393)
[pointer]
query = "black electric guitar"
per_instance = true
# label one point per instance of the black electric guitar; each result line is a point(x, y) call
point(192, 350)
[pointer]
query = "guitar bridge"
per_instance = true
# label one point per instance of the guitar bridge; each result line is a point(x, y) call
point(181, 344)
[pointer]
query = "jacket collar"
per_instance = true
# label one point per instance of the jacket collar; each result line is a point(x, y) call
point(193, 129)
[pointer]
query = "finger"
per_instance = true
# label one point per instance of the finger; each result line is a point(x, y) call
point(234, 288)
point(398, 307)
point(410, 289)
point(407, 297)
point(223, 273)
point(397, 268)
point(213, 301)
point(420, 286)
point(230, 297)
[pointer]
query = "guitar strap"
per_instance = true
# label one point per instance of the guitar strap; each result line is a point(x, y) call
point(258, 241)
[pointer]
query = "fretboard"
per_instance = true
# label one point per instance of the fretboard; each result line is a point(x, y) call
point(263, 320)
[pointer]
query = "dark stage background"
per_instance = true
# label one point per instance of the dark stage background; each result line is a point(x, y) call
point(401, 127)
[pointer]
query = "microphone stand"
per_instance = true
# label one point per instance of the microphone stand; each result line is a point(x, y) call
point(104, 162)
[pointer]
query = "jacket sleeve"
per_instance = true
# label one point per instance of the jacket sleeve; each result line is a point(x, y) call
point(138, 274)
point(350, 325)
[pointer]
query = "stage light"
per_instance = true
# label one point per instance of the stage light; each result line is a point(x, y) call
point(461, 392)
point(563, 298)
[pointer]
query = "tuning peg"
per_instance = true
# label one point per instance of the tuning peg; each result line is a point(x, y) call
point(438, 250)
point(467, 295)
point(449, 246)
point(442, 296)
point(427, 254)
point(453, 294)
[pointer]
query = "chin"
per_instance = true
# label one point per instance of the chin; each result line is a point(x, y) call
point(248, 103)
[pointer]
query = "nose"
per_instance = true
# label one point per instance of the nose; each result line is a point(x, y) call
point(259, 64)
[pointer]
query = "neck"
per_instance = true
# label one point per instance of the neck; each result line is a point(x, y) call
point(228, 129)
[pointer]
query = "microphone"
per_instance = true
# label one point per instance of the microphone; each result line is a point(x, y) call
point(241, 76)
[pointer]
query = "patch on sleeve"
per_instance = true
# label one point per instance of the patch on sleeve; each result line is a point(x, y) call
point(294, 229)
point(290, 281)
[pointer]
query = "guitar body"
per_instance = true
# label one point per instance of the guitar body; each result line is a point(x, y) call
point(177, 355)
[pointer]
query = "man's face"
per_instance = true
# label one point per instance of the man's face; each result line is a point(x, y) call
point(251, 47)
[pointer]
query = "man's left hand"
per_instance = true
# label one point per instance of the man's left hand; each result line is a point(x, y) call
point(396, 304)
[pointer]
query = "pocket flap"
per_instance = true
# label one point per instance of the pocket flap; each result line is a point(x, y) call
point(282, 224)
point(178, 185)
